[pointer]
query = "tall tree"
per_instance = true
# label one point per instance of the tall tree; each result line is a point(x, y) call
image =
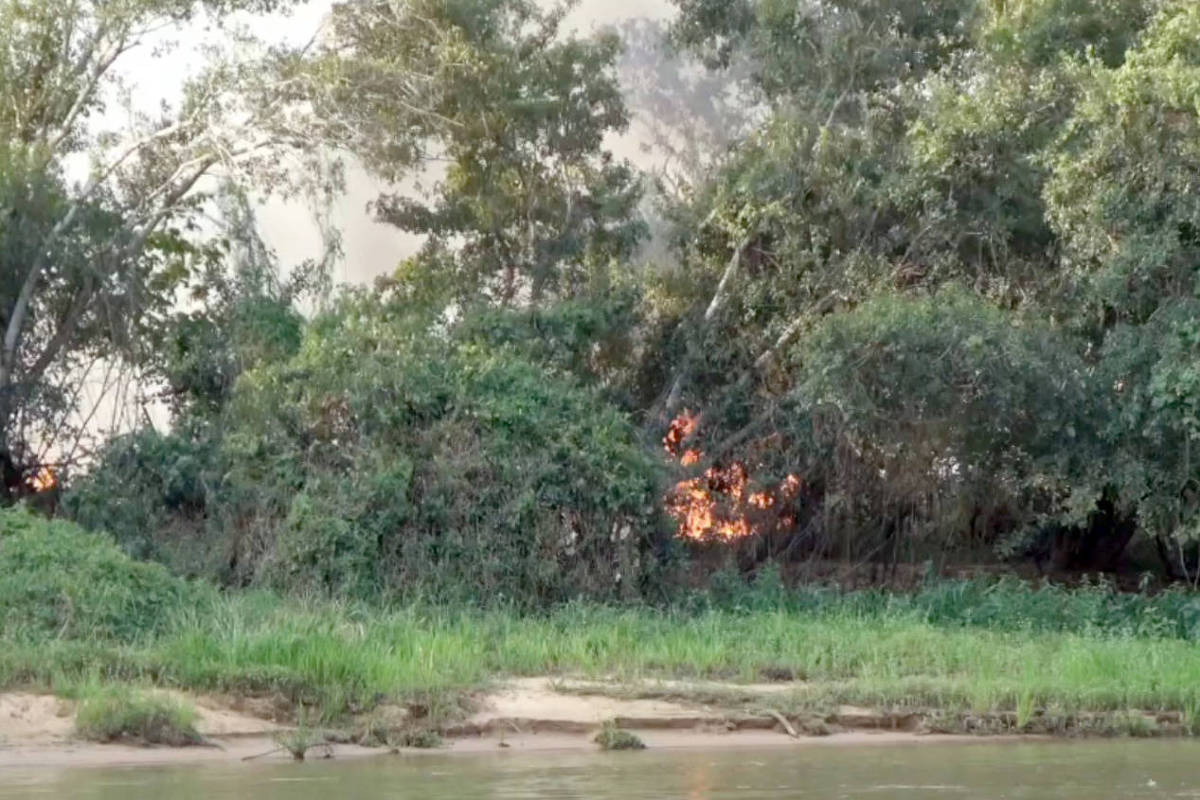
point(93, 214)
point(512, 111)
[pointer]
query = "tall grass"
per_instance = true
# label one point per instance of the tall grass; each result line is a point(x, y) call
point(336, 658)
point(109, 714)
point(75, 612)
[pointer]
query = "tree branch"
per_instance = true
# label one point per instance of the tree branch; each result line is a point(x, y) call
point(719, 298)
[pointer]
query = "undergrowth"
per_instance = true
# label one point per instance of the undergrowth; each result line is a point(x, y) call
point(115, 713)
point(970, 647)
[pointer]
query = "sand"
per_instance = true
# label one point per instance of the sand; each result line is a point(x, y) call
point(535, 714)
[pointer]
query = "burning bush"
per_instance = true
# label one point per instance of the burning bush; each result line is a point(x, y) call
point(721, 504)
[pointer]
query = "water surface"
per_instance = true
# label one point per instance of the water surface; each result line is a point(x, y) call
point(1104, 770)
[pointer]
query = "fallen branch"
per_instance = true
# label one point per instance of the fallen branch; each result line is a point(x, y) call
point(264, 755)
point(782, 720)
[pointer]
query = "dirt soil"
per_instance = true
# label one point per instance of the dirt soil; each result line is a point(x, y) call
point(533, 714)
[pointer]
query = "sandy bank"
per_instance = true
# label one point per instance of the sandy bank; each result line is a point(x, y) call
point(536, 714)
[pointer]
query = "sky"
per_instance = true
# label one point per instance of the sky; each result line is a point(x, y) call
point(370, 249)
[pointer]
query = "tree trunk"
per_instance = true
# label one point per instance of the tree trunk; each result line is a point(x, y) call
point(1099, 546)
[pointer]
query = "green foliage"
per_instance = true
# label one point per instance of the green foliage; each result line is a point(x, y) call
point(152, 489)
point(797, 50)
point(115, 714)
point(298, 741)
point(244, 315)
point(1036, 155)
point(593, 340)
point(956, 646)
point(911, 420)
point(384, 460)
point(1120, 195)
point(97, 223)
point(1042, 32)
point(943, 285)
point(422, 465)
point(58, 581)
point(611, 737)
point(531, 204)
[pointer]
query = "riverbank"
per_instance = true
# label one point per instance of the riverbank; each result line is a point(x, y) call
point(336, 662)
point(339, 666)
point(80, 621)
point(524, 715)
point(370, 681)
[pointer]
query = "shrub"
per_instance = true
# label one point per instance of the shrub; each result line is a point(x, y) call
point(611, 737)
point(407, 463)
point(56, 580)
point(123, 714)
point(920, 424)
point(386, 460)
point(151, 491)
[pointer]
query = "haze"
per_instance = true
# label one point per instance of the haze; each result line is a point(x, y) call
point(370, 249)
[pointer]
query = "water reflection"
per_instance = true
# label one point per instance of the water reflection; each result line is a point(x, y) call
point(1107, 770)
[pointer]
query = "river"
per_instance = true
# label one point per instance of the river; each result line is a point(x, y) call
point(1093, 770)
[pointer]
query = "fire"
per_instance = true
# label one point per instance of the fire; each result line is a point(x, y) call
point(679, 431)
point(719, 505)
point(45, 480)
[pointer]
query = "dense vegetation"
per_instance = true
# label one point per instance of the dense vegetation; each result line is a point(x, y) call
point(957, 651)
point(932, 297)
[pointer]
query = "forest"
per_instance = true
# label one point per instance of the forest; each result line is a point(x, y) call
point(912, 294)
point(919, 284)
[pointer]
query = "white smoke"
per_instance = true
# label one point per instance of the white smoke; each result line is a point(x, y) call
point(682, 118)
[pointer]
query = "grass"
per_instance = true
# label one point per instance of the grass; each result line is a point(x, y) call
point(336, 660)
point(611, 737)
point(116, 713)
point(76, 613)
point(299, 741)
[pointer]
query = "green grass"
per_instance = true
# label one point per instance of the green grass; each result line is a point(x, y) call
point(338, 659)
point(76, 613)
point(611, 737)
point(114, 713)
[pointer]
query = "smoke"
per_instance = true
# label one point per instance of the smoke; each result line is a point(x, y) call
point(372, 248)
point(683, 118)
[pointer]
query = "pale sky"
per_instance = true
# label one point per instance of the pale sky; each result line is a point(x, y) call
point(371, 249)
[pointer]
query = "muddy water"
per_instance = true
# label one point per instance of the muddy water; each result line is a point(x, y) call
point(1108, 770)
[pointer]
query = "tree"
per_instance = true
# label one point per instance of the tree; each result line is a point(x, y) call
point(804, 217)
point(94, 221)
point(1122, 196)
point(909, 147)
point(530, 205)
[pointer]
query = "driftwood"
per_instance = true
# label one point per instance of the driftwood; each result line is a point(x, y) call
point(782, 720)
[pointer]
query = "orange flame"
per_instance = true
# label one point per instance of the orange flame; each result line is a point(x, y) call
point(45, 480)
point(719, 505)
point(679, 431)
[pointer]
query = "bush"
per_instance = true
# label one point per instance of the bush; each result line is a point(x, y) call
point(56, 580)
point(122, 714)
point(385, 460)
point(921, 424)
point(416, 465)
point(151, 490)
point(611, 737)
